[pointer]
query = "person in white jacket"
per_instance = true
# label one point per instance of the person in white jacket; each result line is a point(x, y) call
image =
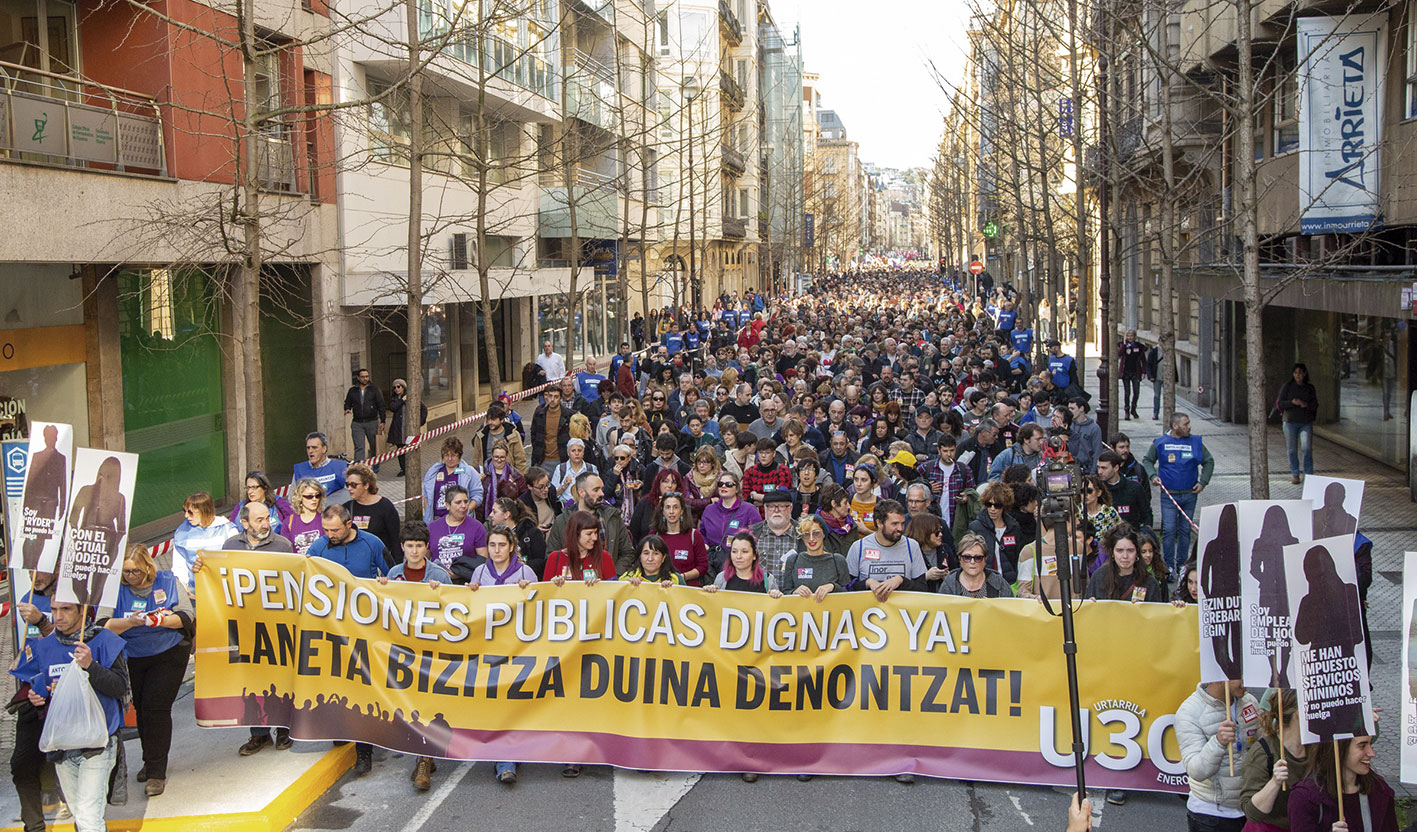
point(1203, 730)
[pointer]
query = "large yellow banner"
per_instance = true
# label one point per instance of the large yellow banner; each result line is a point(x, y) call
point(682, 679)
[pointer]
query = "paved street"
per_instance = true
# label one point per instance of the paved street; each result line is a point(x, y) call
point(602, 799)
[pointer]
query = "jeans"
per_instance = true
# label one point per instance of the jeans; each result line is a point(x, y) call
point(1131, 391)
point(1175, 529)
point(364, 432)
point(155, 680)
point(1299, 439)
point(1156, 398)
point(501, 767)
point(1211, 823)
point(85, 784)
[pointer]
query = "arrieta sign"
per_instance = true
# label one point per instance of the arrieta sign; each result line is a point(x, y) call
point(1342, 62)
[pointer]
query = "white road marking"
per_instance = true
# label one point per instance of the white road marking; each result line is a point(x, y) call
point(641, 800)
point(1098, 803)
point(1018, 807)
point(435, 800)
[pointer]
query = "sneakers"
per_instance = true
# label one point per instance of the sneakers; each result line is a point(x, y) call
point(155, 786)
point(1116, 797)
point(422, 772)
point(571, 770)
point(507, 775)
point(254, 745)
point(750, 777)
point(363, 760)
point(905, 778)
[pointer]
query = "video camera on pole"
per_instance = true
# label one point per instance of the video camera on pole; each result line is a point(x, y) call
point(1060, 482)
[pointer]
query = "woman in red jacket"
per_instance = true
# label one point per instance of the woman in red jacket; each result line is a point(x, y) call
point(584, 558)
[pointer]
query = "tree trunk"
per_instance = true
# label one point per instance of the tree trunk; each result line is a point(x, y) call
point(413, 367)
point(1248, 214)
point(1079, 197)
point(1167, 289)
point(246, 291)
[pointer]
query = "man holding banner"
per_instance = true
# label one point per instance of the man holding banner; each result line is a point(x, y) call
point(1208, 733)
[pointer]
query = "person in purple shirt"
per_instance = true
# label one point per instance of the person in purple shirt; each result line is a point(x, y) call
point(442, 476)
point(724, 517)
point(456, 534)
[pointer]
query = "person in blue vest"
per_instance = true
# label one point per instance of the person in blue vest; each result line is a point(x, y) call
point(1063, 370)
point(622, 356)
point(1182, 465)
point(1022, 338)
point(441, 476)
point(673, 341)
point(83, 773)
point(319, 467)
point(1007, 316)
point(365, 556)
point(588, 380)
point(153, 616)
point(27, 761)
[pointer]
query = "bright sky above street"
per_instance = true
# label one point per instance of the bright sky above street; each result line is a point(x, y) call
point(872, 58)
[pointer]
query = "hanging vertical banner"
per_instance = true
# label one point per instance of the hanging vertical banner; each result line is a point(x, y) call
point(37, 532)
point(1342, 64)
point(1222, 626)
point(97, 527)
point(1337, 504)
point(1266, 528)
point(1330, 660)
point(1408, 741)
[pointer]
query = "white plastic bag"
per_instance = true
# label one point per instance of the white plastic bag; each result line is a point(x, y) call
point(75, 718)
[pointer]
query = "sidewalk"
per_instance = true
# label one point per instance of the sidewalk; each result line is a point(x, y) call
point(1387, 518)
point(211, 787)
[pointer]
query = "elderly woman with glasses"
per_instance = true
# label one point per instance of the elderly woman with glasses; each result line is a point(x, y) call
point(973, 578)
point(258, 490)
point(304, 527)
point(154, 616)
point(998, 529)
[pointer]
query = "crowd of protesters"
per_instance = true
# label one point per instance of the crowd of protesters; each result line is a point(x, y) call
point(880, 433)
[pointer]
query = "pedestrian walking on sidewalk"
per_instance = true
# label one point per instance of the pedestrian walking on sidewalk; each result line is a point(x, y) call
point(154, 616)
point(1133, 359)
point(1298, 404)
point(1182, 465)
point(364, 405)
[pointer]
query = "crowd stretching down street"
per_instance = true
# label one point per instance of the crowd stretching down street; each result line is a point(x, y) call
point(879, 433)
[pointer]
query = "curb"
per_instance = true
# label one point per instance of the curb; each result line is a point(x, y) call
point(274, 817)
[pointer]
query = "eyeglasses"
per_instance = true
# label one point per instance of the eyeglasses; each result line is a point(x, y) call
point(813, 533)
point(352, 483)
point(127, 571)
point(992, 504)
point(619, 458)
point(971, 557)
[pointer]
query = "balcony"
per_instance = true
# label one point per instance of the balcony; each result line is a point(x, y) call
point(728, 22)
point(64, 120)
point(733, 161)
point(591, 93)
point(275, 163)
point(735, 228)
point(732, 91)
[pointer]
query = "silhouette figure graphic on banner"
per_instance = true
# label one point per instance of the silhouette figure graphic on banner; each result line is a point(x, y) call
point(46, 493)
point(1267, 568)
point(1220, 578)
point(1331, 519)
point(101, 509)
point(1330, 616)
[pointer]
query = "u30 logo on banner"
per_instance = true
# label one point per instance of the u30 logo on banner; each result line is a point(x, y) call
point(1122, 727)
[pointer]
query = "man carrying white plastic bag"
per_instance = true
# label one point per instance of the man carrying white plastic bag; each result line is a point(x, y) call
point(80, 741)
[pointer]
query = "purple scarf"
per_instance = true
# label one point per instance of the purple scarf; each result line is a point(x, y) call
point(835, 526)
point(513, 567)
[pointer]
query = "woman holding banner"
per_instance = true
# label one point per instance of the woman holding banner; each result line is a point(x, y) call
point(1272, 763)
point(584, 558)
point(1121, 578)
point(154, 617)
point(304, 527)
point(1313, 806)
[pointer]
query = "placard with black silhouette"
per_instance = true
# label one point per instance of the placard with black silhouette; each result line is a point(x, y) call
point(1337, 504)
point(1266, 527)
point(1408, 740)
point(39, 530)
point(1330, 661)
point(97, 527)
point(1222, 626)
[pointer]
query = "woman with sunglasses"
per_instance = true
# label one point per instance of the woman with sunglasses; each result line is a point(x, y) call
point(398, 435)
point(499, 477)
point(652, 564)
point(726, 516)
point(370, 512)
point(304, 528)
point(973, 579)
point(1122, 578)
point(1097, 505)
point(928, 530)
point(258, 490)
point(814, 572)
point(540, 503)
point(674, 525)
point(201, 528)
point(999, 530)
point(622, 479)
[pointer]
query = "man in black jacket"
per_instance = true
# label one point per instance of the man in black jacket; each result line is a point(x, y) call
point(1131, 498)
point(977, 451)
point(364, 405)
point(550, 430)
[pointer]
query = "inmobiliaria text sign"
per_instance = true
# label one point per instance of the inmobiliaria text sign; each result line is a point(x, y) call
point(680, 679)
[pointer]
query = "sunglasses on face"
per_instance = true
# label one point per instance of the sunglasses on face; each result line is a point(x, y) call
point(727, 484)
point(992, 504)
point(971, 557)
